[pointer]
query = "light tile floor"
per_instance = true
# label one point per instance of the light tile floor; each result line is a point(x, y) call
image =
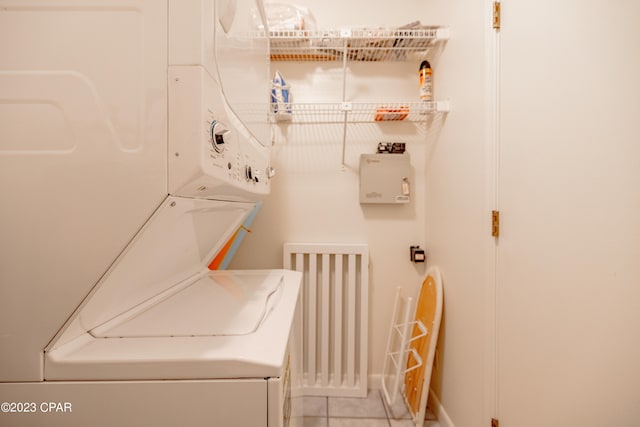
point(371, 411)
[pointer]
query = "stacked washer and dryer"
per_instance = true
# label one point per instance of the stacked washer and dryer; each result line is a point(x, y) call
point(157, 338)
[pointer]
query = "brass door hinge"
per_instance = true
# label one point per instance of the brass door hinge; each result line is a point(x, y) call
point(495, 223)
point(496, 15)
point(495, 422)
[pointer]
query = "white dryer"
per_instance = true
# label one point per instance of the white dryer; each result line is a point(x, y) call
point(160, 339)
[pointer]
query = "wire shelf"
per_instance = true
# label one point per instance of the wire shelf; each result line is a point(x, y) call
point(364, 44)
point(357, 112)
point(411, 42)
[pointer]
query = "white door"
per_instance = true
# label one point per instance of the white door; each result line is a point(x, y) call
point(568, 276)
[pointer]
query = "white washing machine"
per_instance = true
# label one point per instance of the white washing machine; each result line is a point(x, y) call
point(124, 324)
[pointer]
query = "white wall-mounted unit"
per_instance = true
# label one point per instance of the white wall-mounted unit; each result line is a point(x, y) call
point(385, 178)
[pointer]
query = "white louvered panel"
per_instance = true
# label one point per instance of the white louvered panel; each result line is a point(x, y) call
point(335, 296)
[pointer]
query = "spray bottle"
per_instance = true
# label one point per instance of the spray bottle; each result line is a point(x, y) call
point(426, 81)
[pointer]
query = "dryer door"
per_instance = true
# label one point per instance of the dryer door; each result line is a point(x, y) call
point(243, 63)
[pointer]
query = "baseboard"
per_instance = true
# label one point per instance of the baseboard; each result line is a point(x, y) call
point(438, 410)
point(374, 381)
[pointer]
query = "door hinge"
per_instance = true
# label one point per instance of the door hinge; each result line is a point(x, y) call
point(495, 223)
point(495, 422)
point(496, 15)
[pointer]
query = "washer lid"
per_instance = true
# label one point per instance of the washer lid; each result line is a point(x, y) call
point(260, 354)
point(170, 251)
point(216, 304)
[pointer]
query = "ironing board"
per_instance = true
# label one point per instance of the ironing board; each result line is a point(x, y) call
point(411, 346)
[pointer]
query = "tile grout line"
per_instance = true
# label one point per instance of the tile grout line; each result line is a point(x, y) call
point(384, 406)
point(327, 410)
point(387, 410)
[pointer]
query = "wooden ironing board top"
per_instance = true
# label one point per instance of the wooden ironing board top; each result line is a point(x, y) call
point(429, 312)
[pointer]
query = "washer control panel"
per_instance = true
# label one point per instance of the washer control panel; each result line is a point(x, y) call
point(240, 164)
point(212, 153)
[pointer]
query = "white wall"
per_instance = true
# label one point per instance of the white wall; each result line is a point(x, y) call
point(457, 217)
point(314, 199)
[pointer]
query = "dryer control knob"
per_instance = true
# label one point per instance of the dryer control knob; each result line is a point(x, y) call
point(217, 133)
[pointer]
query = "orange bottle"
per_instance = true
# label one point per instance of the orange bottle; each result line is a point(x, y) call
point(426, 81)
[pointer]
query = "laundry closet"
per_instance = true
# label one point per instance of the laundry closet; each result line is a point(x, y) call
point(150, 165)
